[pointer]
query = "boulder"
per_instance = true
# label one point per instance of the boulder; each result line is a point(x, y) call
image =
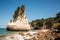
point(19, 20)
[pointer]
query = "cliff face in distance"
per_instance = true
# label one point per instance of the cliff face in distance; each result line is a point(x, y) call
point(19, 21)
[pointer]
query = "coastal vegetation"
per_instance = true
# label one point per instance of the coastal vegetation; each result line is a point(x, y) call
point(48, 23)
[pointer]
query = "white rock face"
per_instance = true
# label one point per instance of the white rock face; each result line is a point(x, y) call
point(19, 21)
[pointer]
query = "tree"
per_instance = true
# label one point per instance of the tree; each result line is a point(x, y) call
point(37, 24)
point(58, 15)
point(57, 18)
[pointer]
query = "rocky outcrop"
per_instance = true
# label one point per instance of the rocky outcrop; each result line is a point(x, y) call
point(19, 20)
point(33, 35)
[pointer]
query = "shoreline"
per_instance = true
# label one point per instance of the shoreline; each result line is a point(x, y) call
point(3, 31)
point(37, 35)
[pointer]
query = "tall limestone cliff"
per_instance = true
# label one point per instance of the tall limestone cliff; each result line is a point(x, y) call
point(19, 21)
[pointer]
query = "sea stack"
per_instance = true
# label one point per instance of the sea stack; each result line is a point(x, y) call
point(19, 20)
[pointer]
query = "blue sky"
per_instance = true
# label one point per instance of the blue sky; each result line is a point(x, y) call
point(35, 9)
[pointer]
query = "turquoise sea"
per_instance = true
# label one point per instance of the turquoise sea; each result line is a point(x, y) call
point(3, 31)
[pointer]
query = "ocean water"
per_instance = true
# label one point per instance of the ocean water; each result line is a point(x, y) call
point(3, 31)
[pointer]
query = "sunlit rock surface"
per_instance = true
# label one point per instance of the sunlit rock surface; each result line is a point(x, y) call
point(19, 20)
